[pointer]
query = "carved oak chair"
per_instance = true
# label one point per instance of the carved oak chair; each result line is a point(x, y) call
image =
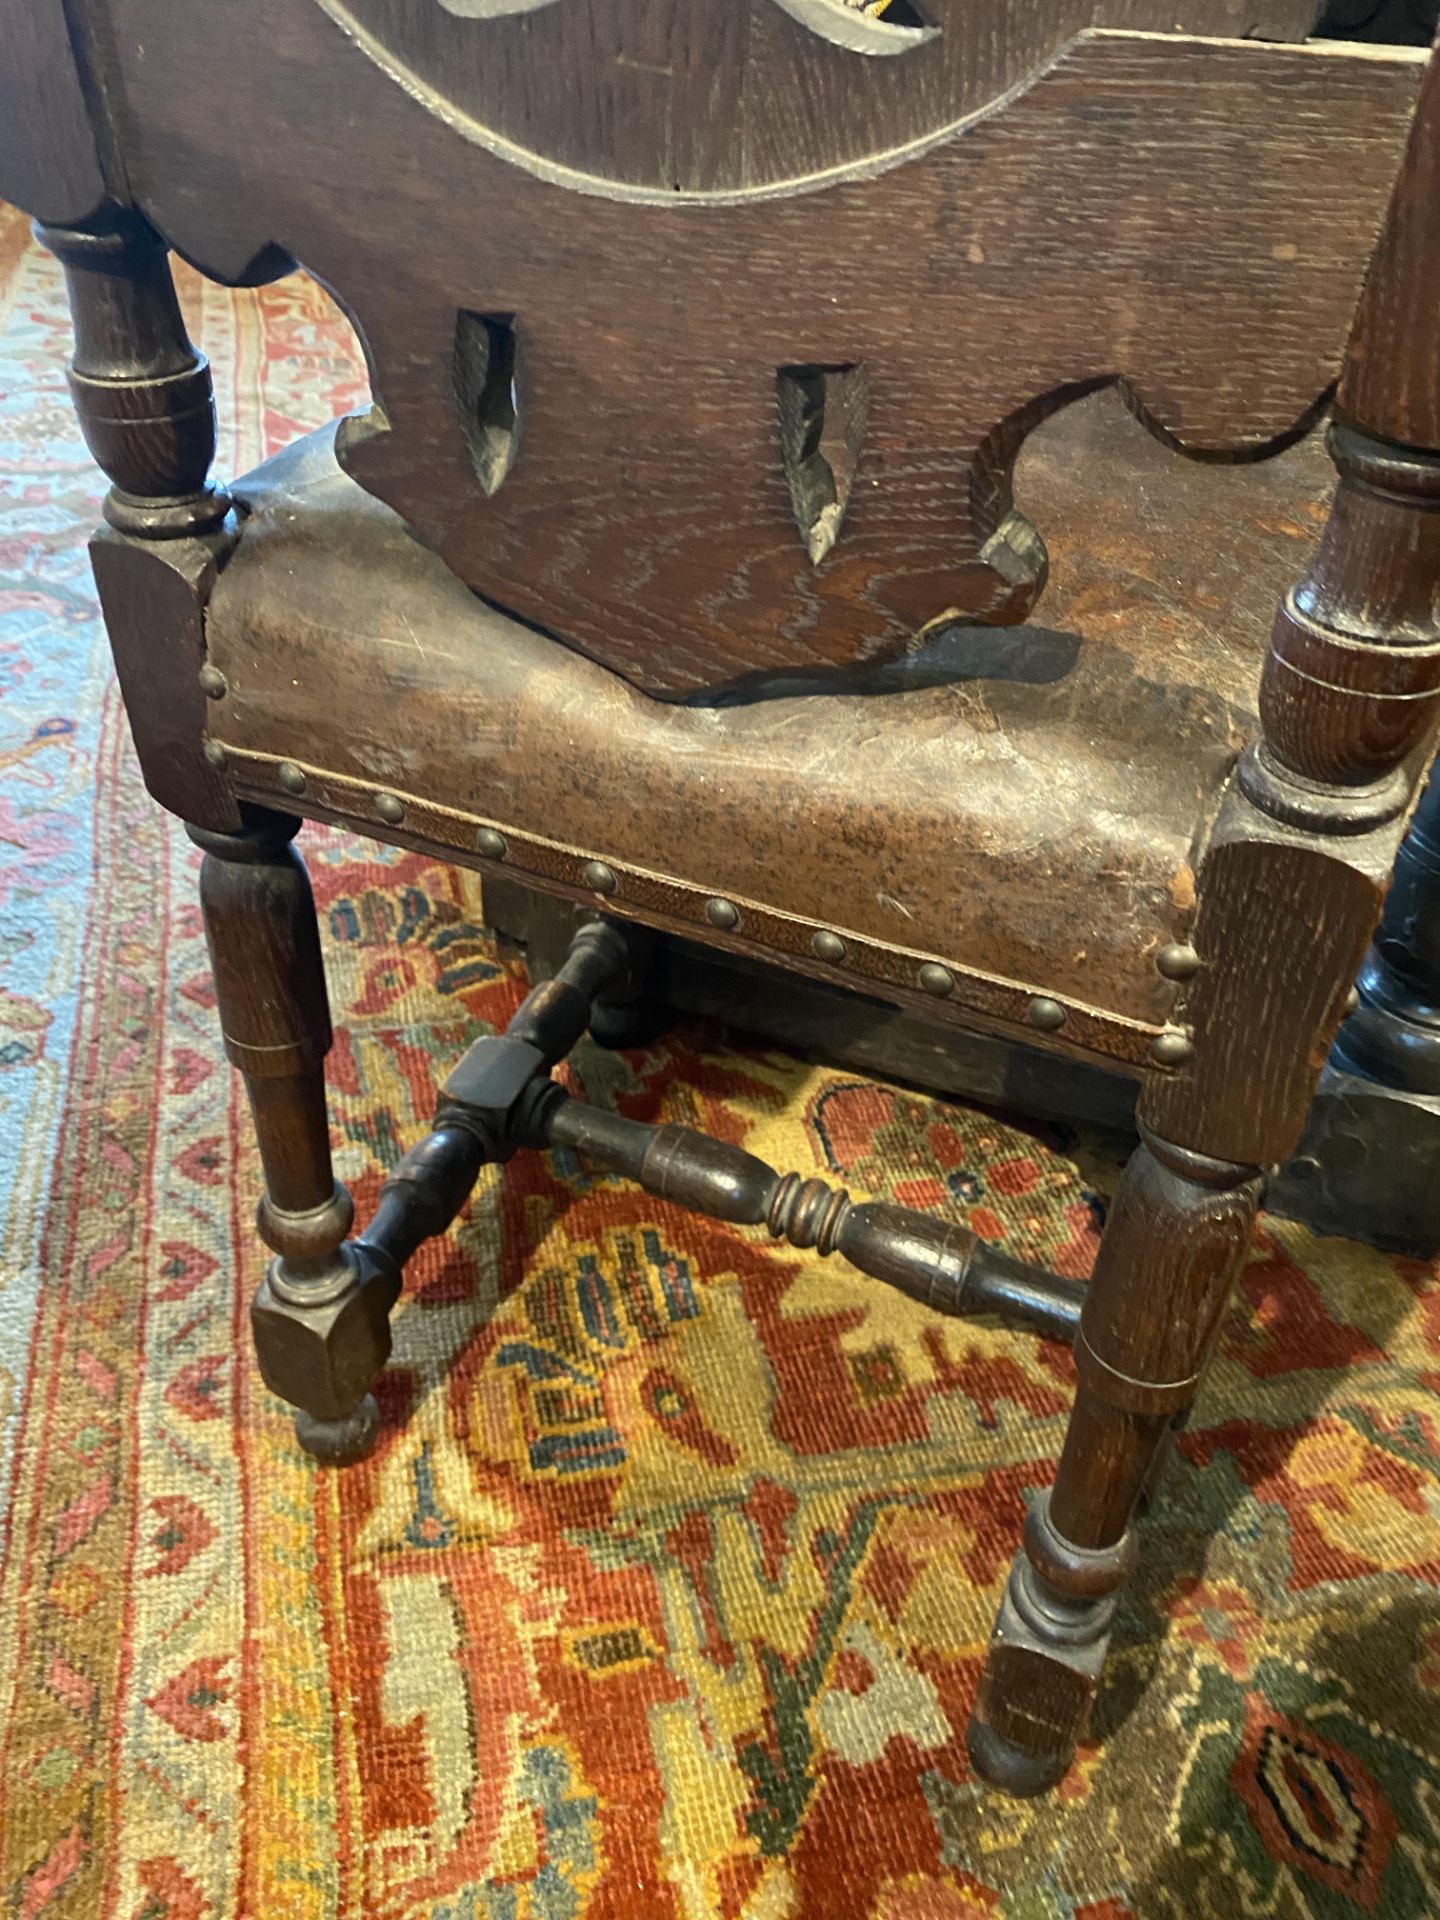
point(677, 572)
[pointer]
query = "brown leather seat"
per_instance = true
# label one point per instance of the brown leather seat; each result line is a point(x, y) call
point(926, 813)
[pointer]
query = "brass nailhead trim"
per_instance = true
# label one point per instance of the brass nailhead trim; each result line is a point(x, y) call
point(215, 755)
point(1178, 961)
point(213, 683)
point(1171, 1048)
point(390, 807)
point(723, 914)
point(829, 947)
point(1045, 1014)
point(670, 901)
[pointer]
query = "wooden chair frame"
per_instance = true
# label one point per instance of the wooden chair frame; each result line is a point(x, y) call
point(1291, 884)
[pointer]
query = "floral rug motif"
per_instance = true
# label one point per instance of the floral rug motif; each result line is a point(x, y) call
point(666, 1592)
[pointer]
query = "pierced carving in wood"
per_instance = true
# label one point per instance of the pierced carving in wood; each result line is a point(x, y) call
point(875, 30)
point(492, 9)
point(822, 426)
point(862, 26)
point(485, 393)
point(674, 199)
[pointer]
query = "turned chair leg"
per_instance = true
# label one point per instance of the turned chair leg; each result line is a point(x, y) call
point(1176, 1238)
point(321, 1316)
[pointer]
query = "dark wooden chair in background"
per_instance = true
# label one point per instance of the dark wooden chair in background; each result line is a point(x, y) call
point(677, 572)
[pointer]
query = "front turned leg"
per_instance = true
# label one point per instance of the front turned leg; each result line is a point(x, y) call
point(321, 1315)
point(1176, 1238)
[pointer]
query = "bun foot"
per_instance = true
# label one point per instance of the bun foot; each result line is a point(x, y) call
point(340, 1443)
point(1014, 1769)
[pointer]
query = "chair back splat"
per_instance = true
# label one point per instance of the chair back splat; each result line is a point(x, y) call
point(705, 337)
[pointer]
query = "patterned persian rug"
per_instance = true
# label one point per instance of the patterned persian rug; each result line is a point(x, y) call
point(666, 1593)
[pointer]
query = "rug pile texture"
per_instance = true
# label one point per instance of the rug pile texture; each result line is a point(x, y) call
point(666, 1593)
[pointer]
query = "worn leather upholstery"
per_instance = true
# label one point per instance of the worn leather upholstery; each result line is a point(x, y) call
point(1033, 794)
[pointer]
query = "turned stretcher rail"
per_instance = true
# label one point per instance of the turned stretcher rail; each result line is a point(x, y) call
point(936, 1261)
point(501, 1097)
point(474, 1126)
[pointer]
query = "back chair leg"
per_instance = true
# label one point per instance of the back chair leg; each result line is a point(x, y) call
point(1176, 1238)
point(321, 1316)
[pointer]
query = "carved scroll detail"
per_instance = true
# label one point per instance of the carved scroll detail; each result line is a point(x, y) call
point(492, 9)
point(855, 25)
point(733, 99)
point(897, 28)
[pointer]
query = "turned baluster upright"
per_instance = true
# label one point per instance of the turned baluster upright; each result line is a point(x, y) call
point(143, 395)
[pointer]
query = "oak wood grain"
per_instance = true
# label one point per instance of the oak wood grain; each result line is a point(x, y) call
point(1283, 925)
point(686, 96)
point(1391, 384)
point(153, 595)
point(50, 159)
point(1190, 216)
